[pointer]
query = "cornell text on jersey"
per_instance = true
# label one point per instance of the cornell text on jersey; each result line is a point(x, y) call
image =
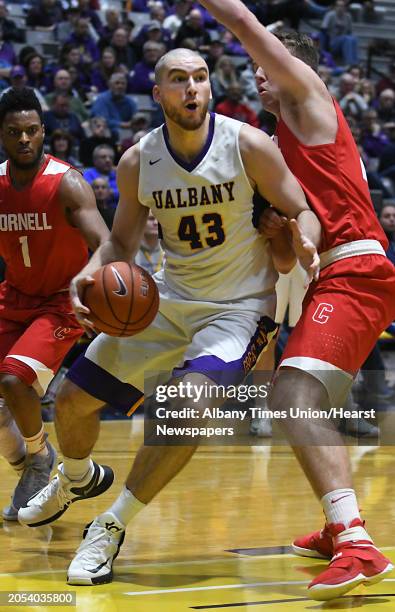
point(16, 222)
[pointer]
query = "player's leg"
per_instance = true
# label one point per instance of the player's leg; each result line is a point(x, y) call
point(12, 444)
point(332, 339)
point(222, 347)
point(97, 378)
point(25, 373)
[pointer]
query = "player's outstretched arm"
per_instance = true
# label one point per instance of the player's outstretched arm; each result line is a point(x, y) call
point(289, 73)
point(124, 240)
point(269, 174)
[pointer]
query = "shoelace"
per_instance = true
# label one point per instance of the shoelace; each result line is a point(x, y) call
point(55, 486)
point(94, 544)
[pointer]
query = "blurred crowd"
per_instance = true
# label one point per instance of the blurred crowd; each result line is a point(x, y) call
point(92, 63)
point(96, 76)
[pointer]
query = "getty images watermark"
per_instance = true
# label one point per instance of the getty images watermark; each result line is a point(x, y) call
point(182, 413)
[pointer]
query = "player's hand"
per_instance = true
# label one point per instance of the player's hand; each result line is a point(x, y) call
point(306, 252)
point(77, 290)
point(271, 223)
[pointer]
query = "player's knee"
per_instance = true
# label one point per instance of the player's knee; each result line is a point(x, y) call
point(11, 384)
point(71, 399)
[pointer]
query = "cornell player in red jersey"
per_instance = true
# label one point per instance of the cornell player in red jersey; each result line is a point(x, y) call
point(48, 215)
point(346, 310)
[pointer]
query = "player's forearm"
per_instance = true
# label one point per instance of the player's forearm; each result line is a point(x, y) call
point(282, 253)
point(109, 251)
point(310, 226)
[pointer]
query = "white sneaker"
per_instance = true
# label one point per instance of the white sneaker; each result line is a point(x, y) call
point(54, 499)
point(93, 561)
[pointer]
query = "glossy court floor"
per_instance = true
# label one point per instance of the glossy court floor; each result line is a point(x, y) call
point(215, 539)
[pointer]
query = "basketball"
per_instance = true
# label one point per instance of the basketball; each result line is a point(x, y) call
point(123, 300)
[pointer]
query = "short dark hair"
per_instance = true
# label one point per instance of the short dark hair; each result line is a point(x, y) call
point(17, 100)
point(300, 46)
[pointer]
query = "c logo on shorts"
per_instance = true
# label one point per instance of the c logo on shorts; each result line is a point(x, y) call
point(320, 315)
point(61, 332)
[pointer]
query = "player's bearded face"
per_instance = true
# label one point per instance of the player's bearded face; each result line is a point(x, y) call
point(183, 117)
point(28, 163)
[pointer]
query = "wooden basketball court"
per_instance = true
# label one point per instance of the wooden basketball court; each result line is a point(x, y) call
point(215, 539)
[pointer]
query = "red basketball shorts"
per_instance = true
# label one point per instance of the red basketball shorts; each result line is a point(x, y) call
point(342, 317)
point(35, 335)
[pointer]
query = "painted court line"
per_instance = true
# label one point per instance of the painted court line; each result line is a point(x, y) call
point(219, 587)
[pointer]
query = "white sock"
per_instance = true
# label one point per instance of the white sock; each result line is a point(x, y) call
point(77, 469)
point(340, 506)
point(12, 444)
point(126, 506)
point(36, 444)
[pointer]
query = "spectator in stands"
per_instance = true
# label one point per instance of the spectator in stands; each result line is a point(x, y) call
point(387, 220)
point(7, 57)
point(325, 57)
point(248, 84)
point(388, 80)
point(62, 86)
point(104, 202)
point(193, 27)
point(337, 25)
point(87, 12)
point(215, 51)
point(142, 77)
point(99, 134)
point(61, 118)
point(82, 38)
point(374, 140)
point(71, 60)
point(46, 14)
point(157, 12)
point(18, 79)
point(124, 52)
point(113, 22)
point(103, 166)
point(173, 22)
point(367, 90)
point(233, 106)
point(150, 255)
point(66, 27)
point(386, 105)
point(114, 105)
point(61, 146)
point(350, 101)
point(10, 31)
point(35, 71)
point(387, 158)
point(223, 77)
point(151, 31)
point(232, 45)
point(105, 69)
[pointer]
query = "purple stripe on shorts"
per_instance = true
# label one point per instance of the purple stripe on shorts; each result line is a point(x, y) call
point(101, 384)
point(232, 372)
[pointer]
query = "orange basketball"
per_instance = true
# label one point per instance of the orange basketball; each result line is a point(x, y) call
point(123, 300)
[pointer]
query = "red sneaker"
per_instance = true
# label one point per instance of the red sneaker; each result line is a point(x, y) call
point(355, 562)
point(317, 544)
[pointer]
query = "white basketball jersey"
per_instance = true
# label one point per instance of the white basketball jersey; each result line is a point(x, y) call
point(212, 250)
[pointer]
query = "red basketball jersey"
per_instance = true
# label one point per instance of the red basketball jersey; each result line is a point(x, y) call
point(334, 180)
point(41, 250)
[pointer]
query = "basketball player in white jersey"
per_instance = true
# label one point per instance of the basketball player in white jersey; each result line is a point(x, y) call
point(197, 173)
